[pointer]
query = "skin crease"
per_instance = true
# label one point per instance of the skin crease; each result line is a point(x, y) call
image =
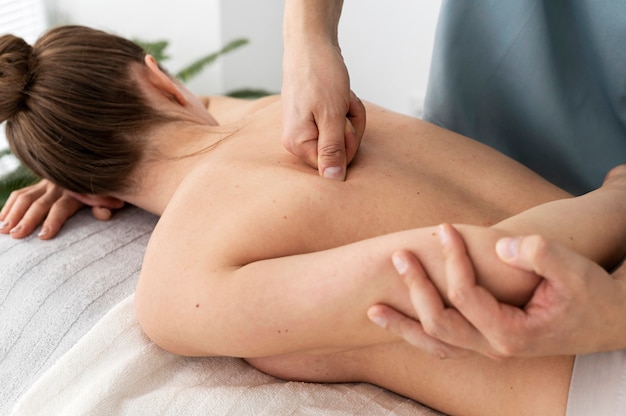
point(244, 223)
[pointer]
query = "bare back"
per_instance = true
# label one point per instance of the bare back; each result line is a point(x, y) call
point(253, 242)
point(249, 199)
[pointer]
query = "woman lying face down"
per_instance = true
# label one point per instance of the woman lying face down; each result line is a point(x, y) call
point(255, 256)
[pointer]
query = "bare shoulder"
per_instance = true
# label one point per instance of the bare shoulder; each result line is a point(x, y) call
point(230, 222)
point(229, 109)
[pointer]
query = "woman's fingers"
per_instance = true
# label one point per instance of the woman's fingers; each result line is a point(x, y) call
point(17, 206)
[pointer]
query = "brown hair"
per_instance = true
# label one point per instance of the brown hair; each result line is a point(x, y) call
point(74, 111)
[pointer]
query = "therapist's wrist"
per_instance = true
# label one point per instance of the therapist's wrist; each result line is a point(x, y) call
point(308, 22)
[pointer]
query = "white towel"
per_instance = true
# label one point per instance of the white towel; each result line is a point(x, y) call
point(53, 292)
point(115, 370)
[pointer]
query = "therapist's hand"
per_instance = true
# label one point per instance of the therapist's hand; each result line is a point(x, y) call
point(577, 308)
point(50, 205)
point(323, 120)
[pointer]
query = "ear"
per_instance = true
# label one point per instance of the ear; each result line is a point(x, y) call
point(162, 81)
point(98, 200)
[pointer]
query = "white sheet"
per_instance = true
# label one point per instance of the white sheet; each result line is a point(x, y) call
point(116, 370)
point(52, 293)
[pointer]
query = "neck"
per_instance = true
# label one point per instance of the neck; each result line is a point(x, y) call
point(173, 153)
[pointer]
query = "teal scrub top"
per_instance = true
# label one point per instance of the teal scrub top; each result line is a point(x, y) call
point(543, 81)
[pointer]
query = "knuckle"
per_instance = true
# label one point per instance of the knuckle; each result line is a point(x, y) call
point(456, 295)
point(508, 346)
point(19, 193)
point(332, 150)
point(537, 246)
point(65, 204)
point(434, 326)
point(288, 142)
point(40, 204)
point(440, 351)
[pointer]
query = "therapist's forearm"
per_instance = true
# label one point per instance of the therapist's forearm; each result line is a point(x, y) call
point(593, 224)
point(311, 19)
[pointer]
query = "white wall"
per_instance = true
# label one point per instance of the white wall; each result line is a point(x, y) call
point(257, 65)
point(386, 44)
point(191, 26)
point(387, 47)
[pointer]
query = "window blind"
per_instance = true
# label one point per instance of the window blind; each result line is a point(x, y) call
point(24, 18)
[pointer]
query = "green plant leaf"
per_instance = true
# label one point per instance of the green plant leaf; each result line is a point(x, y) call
point(156, 49)
point(19, 178)
point(249, 93)
point(196, 67)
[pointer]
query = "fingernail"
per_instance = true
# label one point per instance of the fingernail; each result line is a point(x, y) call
point(43, 232)
point(507, 248)
point(16, 229)
point(399, 264)
point(334, 172)
point(379, 320)
point(3, 225)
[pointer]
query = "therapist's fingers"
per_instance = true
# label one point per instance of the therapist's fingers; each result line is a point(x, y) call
point(412, 332)
point(447, 324)
point(331, 146)
point(489, 321)
point(300, 135)
point(355, 127)
point(436, 319)
point(335, 150)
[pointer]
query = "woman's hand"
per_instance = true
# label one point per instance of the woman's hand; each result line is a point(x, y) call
point(577, 308)
point(323, 120)
point(47, 203)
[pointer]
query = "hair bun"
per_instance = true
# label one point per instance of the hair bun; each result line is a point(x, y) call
point(15, 73)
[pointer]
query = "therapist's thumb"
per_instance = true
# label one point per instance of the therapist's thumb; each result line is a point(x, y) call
point(331, 150)
point(537, 254)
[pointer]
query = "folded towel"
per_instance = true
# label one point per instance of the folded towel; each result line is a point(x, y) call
point(116, 370)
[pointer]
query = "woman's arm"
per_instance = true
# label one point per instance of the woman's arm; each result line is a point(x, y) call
point(314, 302)
point(211, 292)
point(577, 308)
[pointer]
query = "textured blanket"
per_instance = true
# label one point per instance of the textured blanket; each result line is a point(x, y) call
point(53, 292)
point(71, 344)
point(116, 370)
